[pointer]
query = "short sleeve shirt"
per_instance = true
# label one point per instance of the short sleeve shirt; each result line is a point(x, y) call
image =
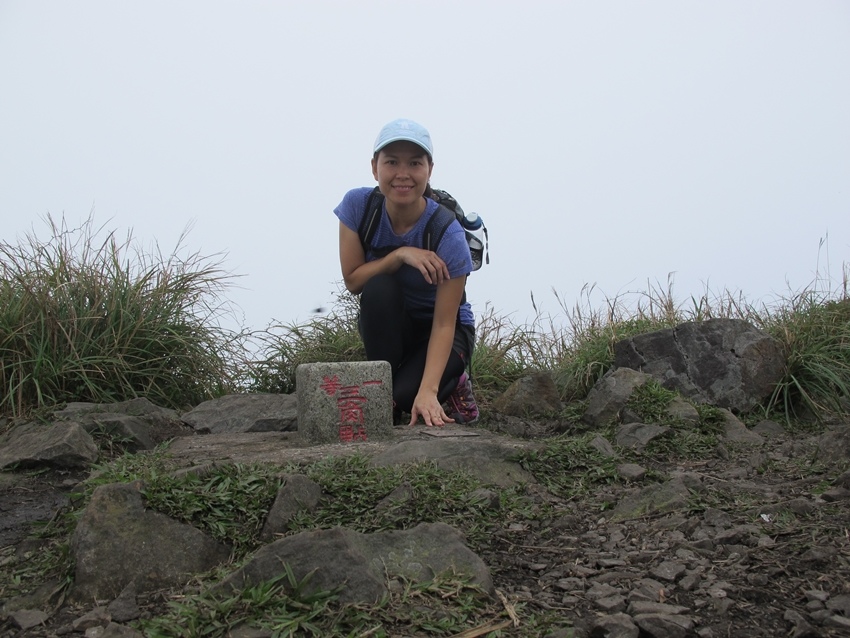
point(420, 296)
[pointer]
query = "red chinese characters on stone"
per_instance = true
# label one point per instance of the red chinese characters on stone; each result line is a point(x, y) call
point(351, 404)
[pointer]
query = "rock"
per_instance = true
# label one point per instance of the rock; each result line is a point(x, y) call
point(125, 607)
point(669, 571)
point(599, 591)
point(734, 431)
point(834, 446)
point(494, 463)
point(658, 498)
point(648, 607)
point(665, 625)
point(610, 394)
point(601, 445)
point(819, 555)
point(114, 630)
point(27, 618)
point(60, 445)
point(724, 362)
point(840, 604)
point(837, 622)
point(611, 604)
point(137, 424)
point(648, 589)
point(739, 535)
point(768, 429)
point(637, 436)
point(246, 413)
point(297, 493)
point(141, 407)
point(361, 564)
point(114, 542)
point(614, 626)
point(533, 395)
point(683, 412)
point(631, 471)
point(131, 431)
point(716, 517)
point(97, 617)
point(834, 494)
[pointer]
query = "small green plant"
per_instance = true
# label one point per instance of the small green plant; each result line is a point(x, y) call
point(650, 402)
point(230, 503)
point(357, 495)
point(570, 466)
point(281, 605)
point(815, 332)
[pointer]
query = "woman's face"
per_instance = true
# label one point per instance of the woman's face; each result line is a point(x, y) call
point(402, 170)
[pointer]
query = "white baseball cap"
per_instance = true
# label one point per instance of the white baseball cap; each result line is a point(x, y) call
point(405, 130)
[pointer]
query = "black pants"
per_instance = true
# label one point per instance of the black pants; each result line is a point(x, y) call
point(390, 334)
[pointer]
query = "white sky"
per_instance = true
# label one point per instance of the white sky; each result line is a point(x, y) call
point(607, 143)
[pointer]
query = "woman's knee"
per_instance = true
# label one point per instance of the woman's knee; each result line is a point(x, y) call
point(380, 288)
point(382, 293)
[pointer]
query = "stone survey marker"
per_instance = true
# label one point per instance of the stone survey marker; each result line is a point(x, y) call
point(344, 402)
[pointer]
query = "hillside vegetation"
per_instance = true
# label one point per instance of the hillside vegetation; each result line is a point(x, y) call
point(88, 316)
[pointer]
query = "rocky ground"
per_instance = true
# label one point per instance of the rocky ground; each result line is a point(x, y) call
point(758, 546)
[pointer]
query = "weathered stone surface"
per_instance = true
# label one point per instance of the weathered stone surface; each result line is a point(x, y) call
point(603, 446)
point(125, 607)
point(734, 431)
point(132, 431)
point(118, 542)
point(245, 413)
point(494, 463)
point(531, 395)
point(344, 402)
point(610, 394)
point(140, 407)
point(725, 362)
point(665, 625)
point(297, 493)
point(61, 445)
point(650, 607)
point(361, 564)
point(659, 498)
point(114, 630)
point(637, 436)
point(631, 471)
point(834, 445)
point(668, 570)
point(768, 428)
point(683, 411)
point(27, 618)
point(97, 617)
point(614, 626)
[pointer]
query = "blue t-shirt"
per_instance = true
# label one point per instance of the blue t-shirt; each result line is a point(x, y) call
point(419, 295)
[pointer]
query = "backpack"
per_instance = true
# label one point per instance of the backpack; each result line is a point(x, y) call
point(448, 211)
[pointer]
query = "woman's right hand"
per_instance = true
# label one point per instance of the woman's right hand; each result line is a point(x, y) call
point(433, 269)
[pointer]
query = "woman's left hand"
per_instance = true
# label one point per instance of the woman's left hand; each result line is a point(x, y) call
point(428, 407)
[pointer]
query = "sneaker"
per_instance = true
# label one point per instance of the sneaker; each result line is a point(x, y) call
point(462, 402)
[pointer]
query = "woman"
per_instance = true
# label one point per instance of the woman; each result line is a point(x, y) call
point(413, 311)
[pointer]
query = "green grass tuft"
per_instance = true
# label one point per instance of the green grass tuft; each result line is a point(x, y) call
point(91, 318)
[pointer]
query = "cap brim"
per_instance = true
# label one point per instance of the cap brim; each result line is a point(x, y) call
point(402, 138)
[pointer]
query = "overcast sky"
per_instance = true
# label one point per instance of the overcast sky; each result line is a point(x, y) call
point(607, 143)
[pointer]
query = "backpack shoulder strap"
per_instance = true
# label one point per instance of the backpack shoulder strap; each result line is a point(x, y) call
point(436, 227)
point(371, 217)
